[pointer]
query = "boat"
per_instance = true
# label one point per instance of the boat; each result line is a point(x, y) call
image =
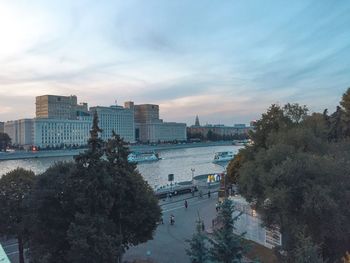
point(223, 157)
point(136, 157)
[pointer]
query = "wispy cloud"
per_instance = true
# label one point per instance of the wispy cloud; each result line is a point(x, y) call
point(226, 61)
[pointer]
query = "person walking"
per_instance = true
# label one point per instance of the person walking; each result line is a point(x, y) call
point(203, 226)
point(217, 207)
point(209, 193)
point(186, 204)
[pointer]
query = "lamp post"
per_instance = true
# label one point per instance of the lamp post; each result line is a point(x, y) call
point(192, 170)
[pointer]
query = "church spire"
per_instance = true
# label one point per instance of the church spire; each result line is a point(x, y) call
point(197, 121)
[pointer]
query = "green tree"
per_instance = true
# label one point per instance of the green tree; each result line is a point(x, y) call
point(5, 141)
point(226, 246)
point(198, 251)
point(295, 112)
point(306, 251)
point(95, 208)
point(15, 187)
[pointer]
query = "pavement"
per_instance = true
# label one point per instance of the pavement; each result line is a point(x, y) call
point(169, 243)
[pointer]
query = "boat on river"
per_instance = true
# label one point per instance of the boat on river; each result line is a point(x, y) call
point(223, 157)
point(136, 157)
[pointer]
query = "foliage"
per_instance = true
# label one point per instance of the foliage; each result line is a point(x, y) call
point(297, 175)
point(95, 208)
point(5, 141)
point(15, 186)
point(226, 246)
point(198, 251)
point(306, 251)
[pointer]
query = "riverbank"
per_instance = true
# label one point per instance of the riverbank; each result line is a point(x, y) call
point(17, 155)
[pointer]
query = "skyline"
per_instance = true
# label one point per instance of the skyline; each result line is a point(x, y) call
point(225, 62)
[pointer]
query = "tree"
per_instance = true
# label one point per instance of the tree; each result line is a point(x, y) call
point(15, 186)
point(306, 251)
point(5, 141)
point(226, 246)
point(233, 168)
point(295, 112)
point(96, 207)
point(297, 177)
point(198, 251)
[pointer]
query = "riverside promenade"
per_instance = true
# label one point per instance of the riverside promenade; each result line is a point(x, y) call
point(135, 148)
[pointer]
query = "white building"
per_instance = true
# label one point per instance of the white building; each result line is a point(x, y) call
point(250, 223)
point(61, 132)
point(20, 131)
point(118, 119)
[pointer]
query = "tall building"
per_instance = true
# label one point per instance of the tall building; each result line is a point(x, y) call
point(150, 128)
point(116, 118)
point(59, 107)
point(146, 113)
point(2, 124)
point(20, 131)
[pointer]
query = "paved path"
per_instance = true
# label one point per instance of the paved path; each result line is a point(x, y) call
point(168, 245)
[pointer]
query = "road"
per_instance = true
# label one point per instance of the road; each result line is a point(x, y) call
point(169, 243)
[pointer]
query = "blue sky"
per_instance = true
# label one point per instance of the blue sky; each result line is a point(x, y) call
point(226, 61)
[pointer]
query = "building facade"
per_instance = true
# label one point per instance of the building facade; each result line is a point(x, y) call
point(221, 130)
point(20, 131)
point(150, 128)
point(59, 107)
point(116, 118)
point(161, 132)
point(61, 133)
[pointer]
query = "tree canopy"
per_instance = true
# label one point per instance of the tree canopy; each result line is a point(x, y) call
point(15, 187)
point(297, 174)
point(5, 141)
point(95, 207)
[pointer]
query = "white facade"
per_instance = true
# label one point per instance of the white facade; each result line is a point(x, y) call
point(20, 131)
point(250, 223)
point(162, 131)
point(60, 132)
point(118, 119)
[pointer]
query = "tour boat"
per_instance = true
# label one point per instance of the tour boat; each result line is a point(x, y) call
point(135, 157)
point(223, 157)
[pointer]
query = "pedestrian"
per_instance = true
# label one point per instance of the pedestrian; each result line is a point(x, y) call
point(192, 191)
point(200, 193)
point(203, 226)
point(217, 207)
point(186, 204)
point(162, 220)
point(209, 193)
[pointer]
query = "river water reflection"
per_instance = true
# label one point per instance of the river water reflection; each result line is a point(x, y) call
point(178, 162)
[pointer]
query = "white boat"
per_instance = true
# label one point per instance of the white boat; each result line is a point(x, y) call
point(223, 157)
point(143, 157)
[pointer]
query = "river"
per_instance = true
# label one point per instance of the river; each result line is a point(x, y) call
point(176, 161)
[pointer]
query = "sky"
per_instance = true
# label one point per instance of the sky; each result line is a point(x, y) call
point(225, 61)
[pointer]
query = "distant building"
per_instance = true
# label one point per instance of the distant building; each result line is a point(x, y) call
point(61, 133)
point(2, 125)
point(219, 129)
point(59, 107)
point(118, 119)
point(150, 128)
point(20, 131)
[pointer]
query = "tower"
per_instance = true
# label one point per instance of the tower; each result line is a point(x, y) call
point(197, 121)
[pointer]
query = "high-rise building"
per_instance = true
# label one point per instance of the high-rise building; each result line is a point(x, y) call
point(149, 128)
point(59, 107)
point(146, 113)
point(118, 119)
